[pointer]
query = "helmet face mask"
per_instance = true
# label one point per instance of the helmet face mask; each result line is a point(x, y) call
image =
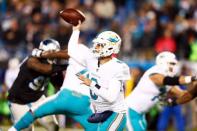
point(50, 45)
point(168, 62)
point(172, 69)
point(106, 44)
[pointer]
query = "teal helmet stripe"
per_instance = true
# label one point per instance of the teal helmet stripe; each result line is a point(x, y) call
point(113, 39)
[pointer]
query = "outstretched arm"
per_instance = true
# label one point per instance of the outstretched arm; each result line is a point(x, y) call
point(73, 42)
point(189, 95)
point(62, 54)
point(162, 80)
point(185, 98)
point(176, 91)
point(34, 64)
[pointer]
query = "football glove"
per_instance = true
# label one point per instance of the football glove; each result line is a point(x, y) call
point(167, 101)
point(36, 52)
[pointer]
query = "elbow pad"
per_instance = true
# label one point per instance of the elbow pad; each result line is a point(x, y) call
point(171, 81)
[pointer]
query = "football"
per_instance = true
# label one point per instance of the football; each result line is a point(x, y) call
point(72, 16)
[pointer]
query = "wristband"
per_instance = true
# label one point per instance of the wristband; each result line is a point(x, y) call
point(94, 84)
point(171, 80)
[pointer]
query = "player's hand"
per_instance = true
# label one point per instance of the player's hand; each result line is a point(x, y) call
point(36, 52)
point(77, 27)
point(85, 80)
point(169, 101)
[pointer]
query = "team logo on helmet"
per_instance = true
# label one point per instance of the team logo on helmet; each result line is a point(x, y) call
point(110, 43)
point(50, 45)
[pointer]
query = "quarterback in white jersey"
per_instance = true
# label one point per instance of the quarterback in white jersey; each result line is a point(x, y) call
point(105, 76)
point(155, 82)
point(71, 82)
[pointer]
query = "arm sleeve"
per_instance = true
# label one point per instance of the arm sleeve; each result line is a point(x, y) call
point(73, 44)
point(111, 93)
point(77, 51)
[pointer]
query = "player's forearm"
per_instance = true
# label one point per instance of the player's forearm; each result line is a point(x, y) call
point(161, 80)
point(62, 54)
point(73, 43)
point(189, 94)
point(109, 94)
point(176, 91)
point(34, 64)
point(185, 98)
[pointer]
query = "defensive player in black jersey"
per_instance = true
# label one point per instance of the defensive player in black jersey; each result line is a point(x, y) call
point(33, 78)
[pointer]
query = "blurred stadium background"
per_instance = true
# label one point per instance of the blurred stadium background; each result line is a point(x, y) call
point(146, 27)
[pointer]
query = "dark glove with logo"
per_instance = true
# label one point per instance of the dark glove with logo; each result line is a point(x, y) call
point(36, 52)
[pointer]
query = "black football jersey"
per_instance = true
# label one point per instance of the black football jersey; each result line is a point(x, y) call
point(29, 85)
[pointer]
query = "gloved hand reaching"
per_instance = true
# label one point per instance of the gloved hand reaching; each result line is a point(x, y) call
point(36, 52)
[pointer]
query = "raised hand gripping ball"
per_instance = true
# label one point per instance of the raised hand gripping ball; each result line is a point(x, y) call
point(72, 16)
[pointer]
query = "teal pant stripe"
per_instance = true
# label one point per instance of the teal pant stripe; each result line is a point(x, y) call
point(105, 126)
point(121, 126)
point(137, 121)
point(74, 105)
point(25, 121)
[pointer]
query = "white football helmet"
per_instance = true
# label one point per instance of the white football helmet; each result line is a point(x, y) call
point(168, 62)
point(50, 45)
point(110, 44)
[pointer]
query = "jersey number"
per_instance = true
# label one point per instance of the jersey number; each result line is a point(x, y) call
point(38, 83)
point(87, 74)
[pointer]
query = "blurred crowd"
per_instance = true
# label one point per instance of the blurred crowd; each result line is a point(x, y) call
point(146, 27)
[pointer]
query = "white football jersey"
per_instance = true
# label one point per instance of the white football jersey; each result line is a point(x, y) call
point(146, 94)
point(102, 75)
point(71, 81)
point(84, 62)
point(78, 54)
